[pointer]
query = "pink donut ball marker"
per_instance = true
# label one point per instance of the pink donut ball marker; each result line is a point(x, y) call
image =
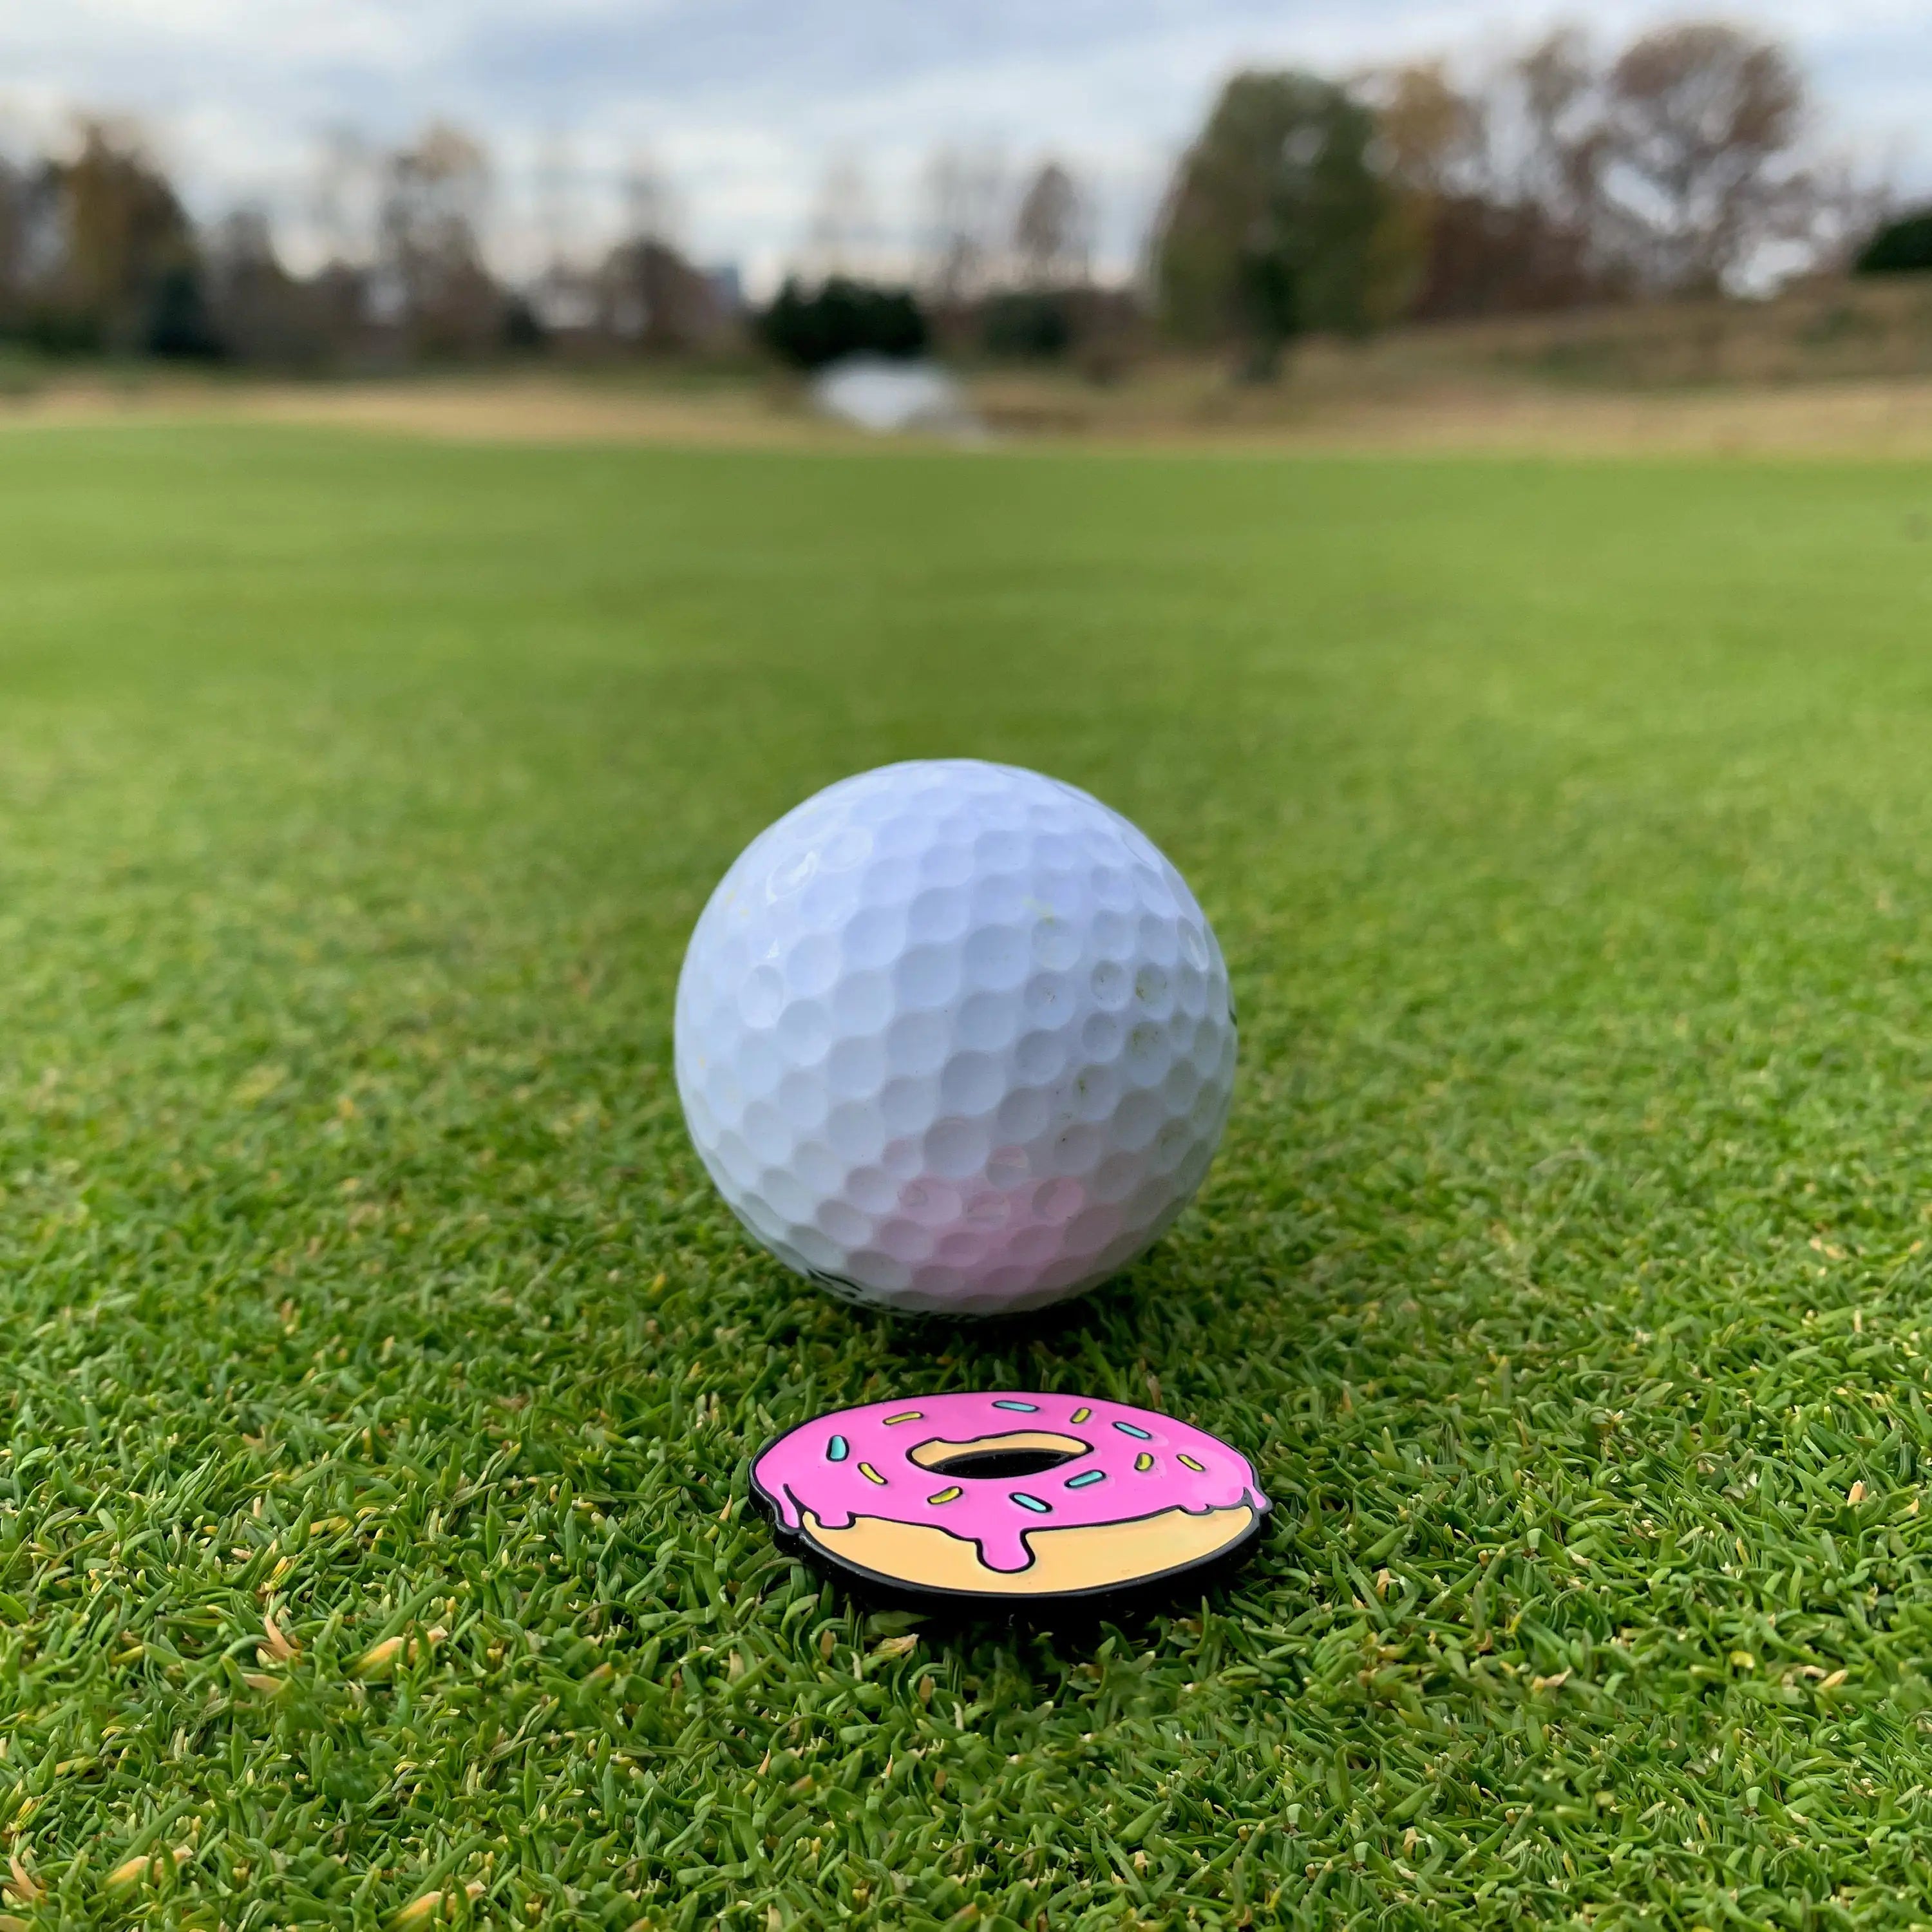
point(1010, 1496)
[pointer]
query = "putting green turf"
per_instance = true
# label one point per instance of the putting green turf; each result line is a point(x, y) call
point(1569, 832)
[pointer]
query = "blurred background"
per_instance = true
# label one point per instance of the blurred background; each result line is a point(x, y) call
point(1142, 214)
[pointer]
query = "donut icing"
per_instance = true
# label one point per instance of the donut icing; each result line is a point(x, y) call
point(886, 1463)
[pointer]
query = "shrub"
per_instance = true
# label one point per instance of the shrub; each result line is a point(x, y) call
point(179, 324)
point(1904, 247)
point(1027, 324)
point(841, 318)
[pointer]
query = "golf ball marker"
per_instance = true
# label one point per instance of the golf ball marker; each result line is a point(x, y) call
point(955, 1037)
point(1009, 1497)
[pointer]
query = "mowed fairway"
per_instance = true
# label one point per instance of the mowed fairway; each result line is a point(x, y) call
point(380, 1373)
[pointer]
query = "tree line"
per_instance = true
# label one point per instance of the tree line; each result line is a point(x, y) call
point(1679, 164)
point(98, 255)
point(1674, 167)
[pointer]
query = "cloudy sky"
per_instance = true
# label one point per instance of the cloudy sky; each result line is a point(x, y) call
point(745, 105)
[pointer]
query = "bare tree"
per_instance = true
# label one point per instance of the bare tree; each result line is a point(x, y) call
point(650, 201)
point(1563, 144)
point(652, 298)
point(1499, 206)
point(1433, 134)
point(557, 198)
point(262, 314)
point(241, 250)
point(344, 196)
point(15, 220)
point(842, 236)
point(431, 269)
point(1844, 207)
point(964, 195)
point(1560, 177)
point(1050, 229)
point(1702, 120)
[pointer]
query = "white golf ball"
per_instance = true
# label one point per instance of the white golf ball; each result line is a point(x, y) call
point(955, 1037)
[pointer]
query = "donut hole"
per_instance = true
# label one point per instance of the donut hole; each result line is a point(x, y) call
point(1002, 1465)
point(1000, 1458)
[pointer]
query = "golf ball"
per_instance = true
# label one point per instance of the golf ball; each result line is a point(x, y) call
point(955, 1037)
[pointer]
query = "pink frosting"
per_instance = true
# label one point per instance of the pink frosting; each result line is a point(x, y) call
point(858, 1462)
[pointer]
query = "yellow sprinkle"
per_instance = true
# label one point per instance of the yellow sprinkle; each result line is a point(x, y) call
point(911, 1415)
point(871, 1474)
point(1199, 1469)
point(1143, 1462)
point(947, 1495)
point(1082, 1414)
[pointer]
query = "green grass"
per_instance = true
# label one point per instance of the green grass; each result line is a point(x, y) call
point(1569, 832)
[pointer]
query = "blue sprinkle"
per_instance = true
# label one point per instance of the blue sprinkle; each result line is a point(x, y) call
point(1024, 1408)
point(1138, 1435)
point(1026, 1501)
point(839, 1449)
point(1086, 1476)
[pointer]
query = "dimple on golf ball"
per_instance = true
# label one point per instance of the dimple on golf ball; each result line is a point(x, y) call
point(955, 1037)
